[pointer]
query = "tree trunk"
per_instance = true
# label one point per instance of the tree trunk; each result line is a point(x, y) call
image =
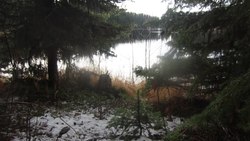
point(53, 71)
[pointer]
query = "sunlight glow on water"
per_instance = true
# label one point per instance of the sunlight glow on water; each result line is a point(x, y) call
point(129, 55)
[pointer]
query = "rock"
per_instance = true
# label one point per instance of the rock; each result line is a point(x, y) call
point(63, 131)
point(104, 82)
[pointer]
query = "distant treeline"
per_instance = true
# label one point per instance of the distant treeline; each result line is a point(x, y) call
point(130, 22)
point(121, 17)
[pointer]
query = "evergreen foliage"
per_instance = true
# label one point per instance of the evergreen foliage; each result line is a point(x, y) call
point(51, 30)
point(129, 125)
point(209, 55)
point(133, 20)
point(209, 47)
point(226, 118)
point(137, 25)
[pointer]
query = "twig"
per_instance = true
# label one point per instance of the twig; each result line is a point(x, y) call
point(69, 125)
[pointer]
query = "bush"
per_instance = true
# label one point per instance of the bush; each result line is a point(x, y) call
point(129, 123)
point(226, 118)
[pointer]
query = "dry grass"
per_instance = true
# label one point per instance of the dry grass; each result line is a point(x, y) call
point(127, 86)
point(118, 83)
point(165, 93)
point(1, 84)
point(173, 101)
point(91, 78)
point(94, 78)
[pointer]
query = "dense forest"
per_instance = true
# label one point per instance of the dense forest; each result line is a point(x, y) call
point(133, 20)
point(199, 91)
point(209, 58)
point(36, 31)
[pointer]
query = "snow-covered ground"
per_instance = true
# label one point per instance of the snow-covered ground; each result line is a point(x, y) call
point(77, 125)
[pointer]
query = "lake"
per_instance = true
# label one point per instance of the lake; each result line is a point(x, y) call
point(128, 55)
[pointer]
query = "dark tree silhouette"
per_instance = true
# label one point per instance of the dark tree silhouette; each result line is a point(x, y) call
point(209, 47)
point(56, 30)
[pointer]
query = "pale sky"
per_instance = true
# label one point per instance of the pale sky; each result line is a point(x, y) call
point(149, 7)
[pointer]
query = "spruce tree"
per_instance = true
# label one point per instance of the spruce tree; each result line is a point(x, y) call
point(209, 45)
point(56, 30)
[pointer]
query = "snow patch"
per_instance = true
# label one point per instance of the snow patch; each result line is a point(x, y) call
point(82, 127)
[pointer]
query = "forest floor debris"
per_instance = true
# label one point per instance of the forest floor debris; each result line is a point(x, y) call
point(78, 126)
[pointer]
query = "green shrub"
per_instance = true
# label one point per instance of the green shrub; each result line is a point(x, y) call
point(226, 118)
point(128, 124)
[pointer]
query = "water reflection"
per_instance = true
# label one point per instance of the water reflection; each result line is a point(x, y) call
point(128, 55)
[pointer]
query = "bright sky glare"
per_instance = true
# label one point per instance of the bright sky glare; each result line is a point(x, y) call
point(149, 7)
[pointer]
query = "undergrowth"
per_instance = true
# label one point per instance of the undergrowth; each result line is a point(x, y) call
point(137, 119)
point(227, 118)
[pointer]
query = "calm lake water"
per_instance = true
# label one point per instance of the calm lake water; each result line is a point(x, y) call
point(128, 56)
